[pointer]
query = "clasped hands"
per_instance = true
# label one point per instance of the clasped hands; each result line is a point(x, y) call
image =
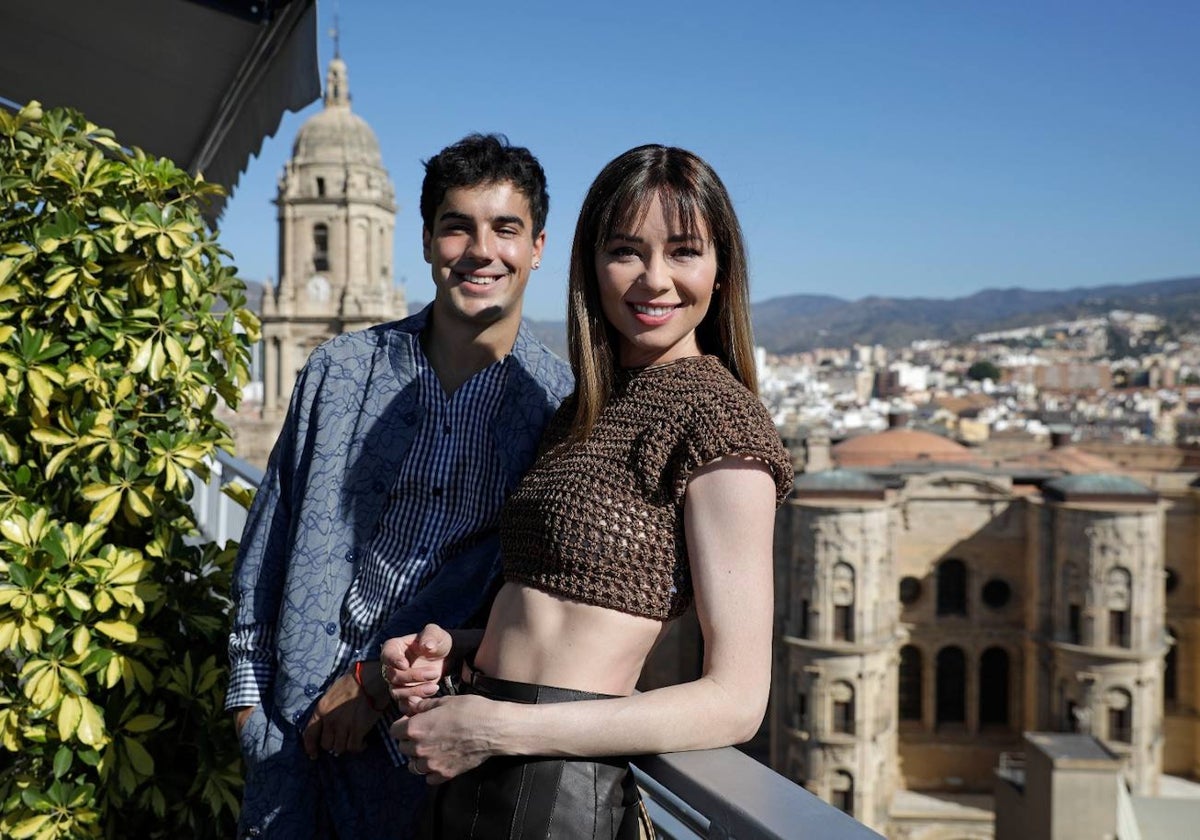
point(442, 736)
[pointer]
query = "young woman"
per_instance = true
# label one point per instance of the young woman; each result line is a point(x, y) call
point(656, 488)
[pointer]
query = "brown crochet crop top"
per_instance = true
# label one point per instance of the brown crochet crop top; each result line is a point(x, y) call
point(601, 522)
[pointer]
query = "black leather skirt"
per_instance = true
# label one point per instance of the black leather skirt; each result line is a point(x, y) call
point(523, 797)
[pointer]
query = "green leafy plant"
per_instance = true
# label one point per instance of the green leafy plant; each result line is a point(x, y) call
point(121, 331)
point(982, 370)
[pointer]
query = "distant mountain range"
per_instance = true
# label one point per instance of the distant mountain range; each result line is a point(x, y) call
point(801, 322)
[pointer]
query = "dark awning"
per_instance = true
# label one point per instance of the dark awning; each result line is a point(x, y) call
point(201, 82)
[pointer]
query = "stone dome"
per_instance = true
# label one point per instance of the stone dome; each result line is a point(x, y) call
point(1097, 487)
point(900, 446)
point(336, 134)
point(839, 482)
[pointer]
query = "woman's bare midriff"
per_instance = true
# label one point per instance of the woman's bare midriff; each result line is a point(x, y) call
point(535, 637)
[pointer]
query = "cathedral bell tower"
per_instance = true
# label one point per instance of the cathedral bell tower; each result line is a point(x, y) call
point(834, 716)
point(336, 214)
point(1105, 570)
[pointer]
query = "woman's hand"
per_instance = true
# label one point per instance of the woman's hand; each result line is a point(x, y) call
point(445, 737)
point(413, 665)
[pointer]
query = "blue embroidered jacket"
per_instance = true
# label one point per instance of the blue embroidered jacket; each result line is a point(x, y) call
point(352, 417)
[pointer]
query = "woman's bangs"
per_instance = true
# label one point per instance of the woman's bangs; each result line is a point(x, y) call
point(629, 208)
point(683, 212)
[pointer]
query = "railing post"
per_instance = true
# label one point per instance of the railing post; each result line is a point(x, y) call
point(220, 501)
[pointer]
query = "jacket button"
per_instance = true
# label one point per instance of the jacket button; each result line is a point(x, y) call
point(331, 628)
point(310, 690)
point(350, 555)
point(297, 716)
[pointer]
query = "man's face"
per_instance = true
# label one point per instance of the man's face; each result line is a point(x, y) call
point(481, 250)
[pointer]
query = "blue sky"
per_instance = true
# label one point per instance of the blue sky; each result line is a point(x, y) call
point(900, 147)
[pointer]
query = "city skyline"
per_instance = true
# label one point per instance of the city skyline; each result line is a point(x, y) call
point(928, 149)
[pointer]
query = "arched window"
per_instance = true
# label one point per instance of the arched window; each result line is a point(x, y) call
point(1075, 623)
point(952, 588)
point(993, 687)
point(951, 686)
point(1117, 599)
point(1170, 674)
point(842, 695)
point(1066, 708)
point(841, 789)
point(320, 247)
point(843, 602)
point(1120, 715)
point(277, 356)
point(910, 683)
point(1073, 597)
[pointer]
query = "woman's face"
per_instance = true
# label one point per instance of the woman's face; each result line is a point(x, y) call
point(656, 284)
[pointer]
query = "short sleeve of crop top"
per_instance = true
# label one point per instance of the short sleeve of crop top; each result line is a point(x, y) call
point(713, 419)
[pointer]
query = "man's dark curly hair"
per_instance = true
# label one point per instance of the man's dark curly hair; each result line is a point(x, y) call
point(482, 159)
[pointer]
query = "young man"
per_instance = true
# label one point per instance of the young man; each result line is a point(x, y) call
point(379, 507)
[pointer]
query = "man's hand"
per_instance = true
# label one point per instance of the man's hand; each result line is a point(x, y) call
point(342, 717)
point(240, 716)
point(413, 665)
point(445, 737)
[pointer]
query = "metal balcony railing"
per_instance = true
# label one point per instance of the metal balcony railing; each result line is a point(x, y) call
point(219, 517)
point(719, 794)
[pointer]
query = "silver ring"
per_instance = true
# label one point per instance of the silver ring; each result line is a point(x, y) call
point(412, 768)
point(383, 671)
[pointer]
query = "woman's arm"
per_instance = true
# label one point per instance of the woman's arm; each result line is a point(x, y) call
point(729, 517)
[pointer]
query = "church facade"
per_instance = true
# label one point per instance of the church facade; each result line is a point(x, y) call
point(931, 608)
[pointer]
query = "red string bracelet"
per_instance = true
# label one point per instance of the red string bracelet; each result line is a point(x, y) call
point(358, 679)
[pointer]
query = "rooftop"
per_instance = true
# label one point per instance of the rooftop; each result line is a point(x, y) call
point(1069, 459)
point(1069, 746)
point(898, 446)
